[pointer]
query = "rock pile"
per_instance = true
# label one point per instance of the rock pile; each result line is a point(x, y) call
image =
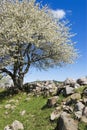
point(44, 88)
point(74, 103)
point(52, 88)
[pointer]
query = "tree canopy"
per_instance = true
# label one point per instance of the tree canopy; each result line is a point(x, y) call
point(31, 36)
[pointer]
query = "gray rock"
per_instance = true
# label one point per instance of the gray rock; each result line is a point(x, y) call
point(55, 114)
point(79, 106)
point(17, 125)
point(8, 106)
point(70, 82)
point(85, 101)
point(27, 99)
point(85, 112)
point(65, 122)
point(78, 115)
point(76, 85)
point(84, 119)
point(52, 101)
point(82, 81)
point(7, 128)
point(22, 113)
point(67, 109)
point(68, 90)
point(85, 92)
point(75, 96)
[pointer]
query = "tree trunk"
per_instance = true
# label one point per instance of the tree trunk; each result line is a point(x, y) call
point(18, 82)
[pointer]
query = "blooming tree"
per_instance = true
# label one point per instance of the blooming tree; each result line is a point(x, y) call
point(31, 36)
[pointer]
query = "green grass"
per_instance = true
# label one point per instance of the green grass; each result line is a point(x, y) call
point(80, 89)
point(37, 116)
point(61, 98)
point(82, 126)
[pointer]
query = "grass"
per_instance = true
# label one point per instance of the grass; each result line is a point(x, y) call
point(80, 89)
point(82, 126)
point(37, 117)
point(61, 98)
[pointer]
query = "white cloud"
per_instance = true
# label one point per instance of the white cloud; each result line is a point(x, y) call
point(59, 13)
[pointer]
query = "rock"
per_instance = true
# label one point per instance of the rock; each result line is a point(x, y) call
point(78, 115)
point(12, 101)
point(68, 90)
point(65, 122)
point(75, 96)
point(6, 113)
point(84, 119)
point(23, 113)
point(82, 81)
point(67, 109)
point(7, 128)
point(60, 90)
point(76, 85)
point(85, 101)
point(84, 113)
point(69, 102)
point(46, 94)
point(85, 92)
point(8, 106)
point(79, 106)
point(55, 114)
point(17, 125)
point(52, 101)
point(13, 107)
point(27, 99)
point(70, 82)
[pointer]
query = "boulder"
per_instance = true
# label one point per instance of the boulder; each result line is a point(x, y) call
point(7, 106)
point(67, 109)
point(55, 114)
point(17, 125)
point(84, 113)
point(78, 115)
point(68, 90)
point(76, 85)
point(70, 82)
point(7, 128)
point(79, 106)
point(85, 92)
point(84, 119)
point(65, 122)
point(52, 101)
point(69, 102)
point(75, 96)
point(85, 101)
point(82, 81)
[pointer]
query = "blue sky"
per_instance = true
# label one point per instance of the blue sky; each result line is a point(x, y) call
point(75, 12)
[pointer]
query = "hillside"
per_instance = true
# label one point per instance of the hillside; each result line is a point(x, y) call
point(43, 111)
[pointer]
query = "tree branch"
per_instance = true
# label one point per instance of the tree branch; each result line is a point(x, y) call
point(4, 70)
point(28, 64)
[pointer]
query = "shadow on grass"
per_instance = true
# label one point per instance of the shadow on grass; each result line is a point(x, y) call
point(45, 107)
point(8, 92)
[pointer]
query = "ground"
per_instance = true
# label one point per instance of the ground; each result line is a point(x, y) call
point(36, 116)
